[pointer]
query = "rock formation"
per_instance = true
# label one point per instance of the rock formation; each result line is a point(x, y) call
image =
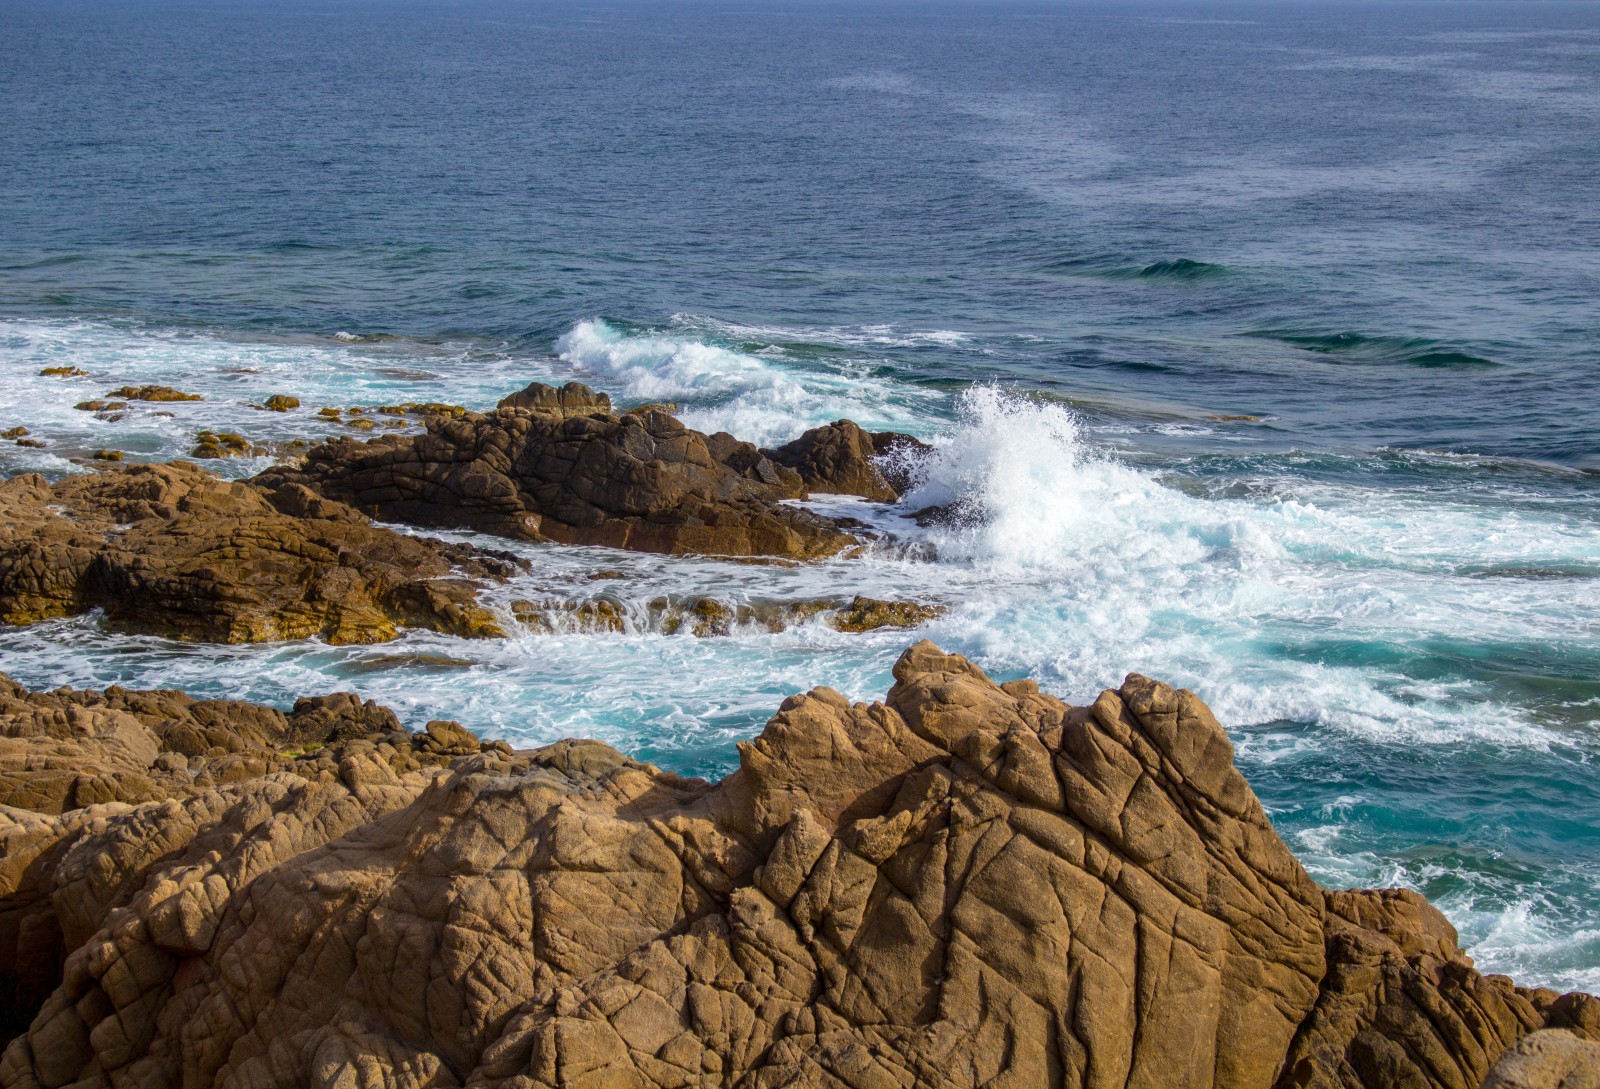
point(171, 550)
point(968, 884)
point(541, 468)
point(844, 459)
point(572, 399)
point(152, 393)
point(1548, 1059)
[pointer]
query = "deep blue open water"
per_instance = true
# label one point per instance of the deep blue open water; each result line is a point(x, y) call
point(1072, 244)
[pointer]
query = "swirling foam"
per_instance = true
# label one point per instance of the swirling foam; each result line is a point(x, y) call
point(759, 398)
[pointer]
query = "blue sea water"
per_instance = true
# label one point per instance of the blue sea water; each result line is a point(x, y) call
point(1265, 335)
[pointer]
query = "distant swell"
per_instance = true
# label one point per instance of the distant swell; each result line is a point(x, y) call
point(1364, 348)
point(1181, 269)
point(1177, 269)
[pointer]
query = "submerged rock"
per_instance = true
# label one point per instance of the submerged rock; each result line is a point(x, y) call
point(171, 550)
point(968, 884)
point(153, 393)
point(223, 444)
point(644, 482)
point(707, 616)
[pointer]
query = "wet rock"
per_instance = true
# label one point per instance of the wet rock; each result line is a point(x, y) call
point(869, 614)
point(424, 409)
point(223, 444)
point(572, 399)
point(899, 458)
point(280, 402)
point(585, 617)
point(642, 482)
point(153, 393)
point(100, 406)
point(32, 444)
point(62, 372)
point(173, 551)
point(703, 616)
point(15, 433)
point(108, 455)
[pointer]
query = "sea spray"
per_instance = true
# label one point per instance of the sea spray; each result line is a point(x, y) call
point(766, 398)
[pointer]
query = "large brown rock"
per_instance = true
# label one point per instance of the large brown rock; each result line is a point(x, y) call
point(968, 884)
point(572, 399)
point(640, 481)
point(1551, 1059)
point(844, 459)
point(173, 551)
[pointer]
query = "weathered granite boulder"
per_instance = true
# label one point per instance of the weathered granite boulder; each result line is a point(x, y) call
point(572, 399)
point(844, 459)
point(1549, 1059)
point(238, 776)
point(969, 884)
point(173, 551)
point(640, 481)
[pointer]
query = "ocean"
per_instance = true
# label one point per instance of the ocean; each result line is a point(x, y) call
point(1264, 337)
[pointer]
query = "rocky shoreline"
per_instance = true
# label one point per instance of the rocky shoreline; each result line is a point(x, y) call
point(294, 553)
point(965, 884)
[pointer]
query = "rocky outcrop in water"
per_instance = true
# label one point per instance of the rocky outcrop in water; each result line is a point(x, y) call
point(840, 458)
point(171, 550)
point(543, 469)
point(968, 884)
point(572, 399)
point(704, 617)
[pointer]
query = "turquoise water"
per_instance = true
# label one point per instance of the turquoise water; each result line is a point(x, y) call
point(1069, 244)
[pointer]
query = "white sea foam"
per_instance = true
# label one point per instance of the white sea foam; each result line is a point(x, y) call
point(231, 375)
point(759, 398)
point(1070, 564)
point(842, 336)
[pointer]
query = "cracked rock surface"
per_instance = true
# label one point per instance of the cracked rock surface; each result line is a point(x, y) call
point(966, 884)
